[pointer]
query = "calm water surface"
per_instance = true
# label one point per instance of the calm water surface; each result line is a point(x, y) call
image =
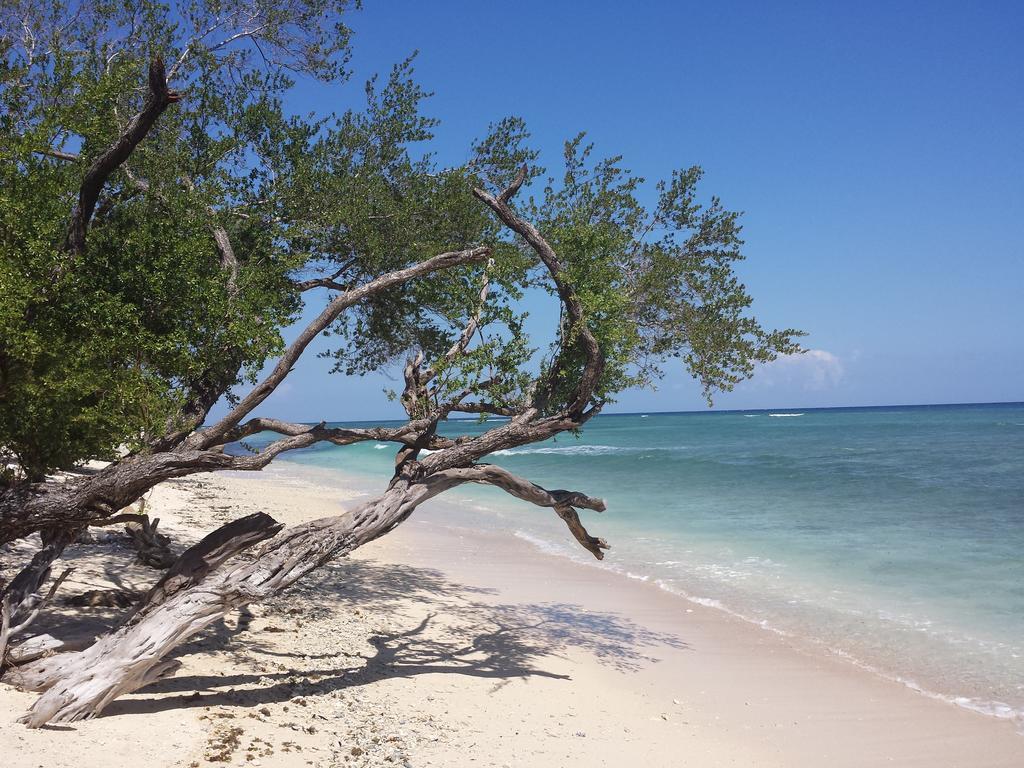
point(892, 536)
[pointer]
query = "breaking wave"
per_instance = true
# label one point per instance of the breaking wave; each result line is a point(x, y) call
point(569, 450)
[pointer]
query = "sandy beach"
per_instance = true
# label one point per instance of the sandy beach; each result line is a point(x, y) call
point(443, 646)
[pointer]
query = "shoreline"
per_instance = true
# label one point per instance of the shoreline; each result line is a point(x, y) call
point(433, 522)
point(441, 533)
point(454, 513)
point(810, 645)
point(473, 647)
point(849, 704)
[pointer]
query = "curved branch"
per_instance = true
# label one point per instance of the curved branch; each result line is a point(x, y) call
point(566, 293)
point(563, 502)
point(529, 425)
point(339, 304)
point(157, 100)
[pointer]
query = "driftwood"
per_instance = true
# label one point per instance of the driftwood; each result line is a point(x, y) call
point(29, 608)
point(210, 553)
point(37, 646)
point(151, 548)
point(194, 594)
point(79, 685)
point(113, 665)
point(21, 596)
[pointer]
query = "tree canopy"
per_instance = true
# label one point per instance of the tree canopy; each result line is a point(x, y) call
point(234, 211)
point(164, 215)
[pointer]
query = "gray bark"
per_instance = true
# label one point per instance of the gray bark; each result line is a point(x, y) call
point(79, 685)
point(21, 596)
point(205, 585)
point(197, 592)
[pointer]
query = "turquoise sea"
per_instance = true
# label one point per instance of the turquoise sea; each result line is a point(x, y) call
point(892, 536)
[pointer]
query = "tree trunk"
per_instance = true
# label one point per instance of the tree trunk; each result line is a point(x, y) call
point(85, 500)
point(79, 685)
point(21, 594)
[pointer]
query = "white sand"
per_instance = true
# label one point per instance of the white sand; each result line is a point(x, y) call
point(445, 647)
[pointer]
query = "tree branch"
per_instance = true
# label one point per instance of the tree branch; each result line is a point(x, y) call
point(417, 379)
point(406, 434)
point(460, 346)
point(204, 557)
point(58, 154)
point(339, 304)
point(7, 631)
point(529, 424)
point(157, 100)
point(594, 357)
point(563, 502)
point(484, 407)
point(331, 281)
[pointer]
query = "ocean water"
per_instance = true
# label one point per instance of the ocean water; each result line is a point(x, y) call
point(893, 536)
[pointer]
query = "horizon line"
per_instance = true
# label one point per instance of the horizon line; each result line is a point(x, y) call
point(717, 410)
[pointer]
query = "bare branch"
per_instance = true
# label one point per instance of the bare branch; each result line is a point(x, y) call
point(228, 261)
point(513, 188)
point(58, 154)
point(485, 407)
point(331, 281)
point(320, 282)
point(157, 100)
point(574, 311)
point(191, 44)
point(563, 502)
point(338, 305)
point(405, 434)
point(414, 389)
point(22, 589)
point(7, 631)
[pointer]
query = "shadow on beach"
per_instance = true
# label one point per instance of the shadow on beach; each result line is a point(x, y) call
point(320, 637)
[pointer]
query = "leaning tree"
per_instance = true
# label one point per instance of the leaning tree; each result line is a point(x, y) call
point(164, 215)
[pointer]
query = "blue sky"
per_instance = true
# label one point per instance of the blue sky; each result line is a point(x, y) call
point(877, 150)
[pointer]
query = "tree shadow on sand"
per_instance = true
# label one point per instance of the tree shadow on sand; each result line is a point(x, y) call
point(445, 628)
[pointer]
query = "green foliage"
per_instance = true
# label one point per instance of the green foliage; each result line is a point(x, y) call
point(101, 350)
point(98, 351)
point(411, 210)
point(655, 283)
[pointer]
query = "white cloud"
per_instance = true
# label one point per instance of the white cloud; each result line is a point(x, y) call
point(813, 370)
